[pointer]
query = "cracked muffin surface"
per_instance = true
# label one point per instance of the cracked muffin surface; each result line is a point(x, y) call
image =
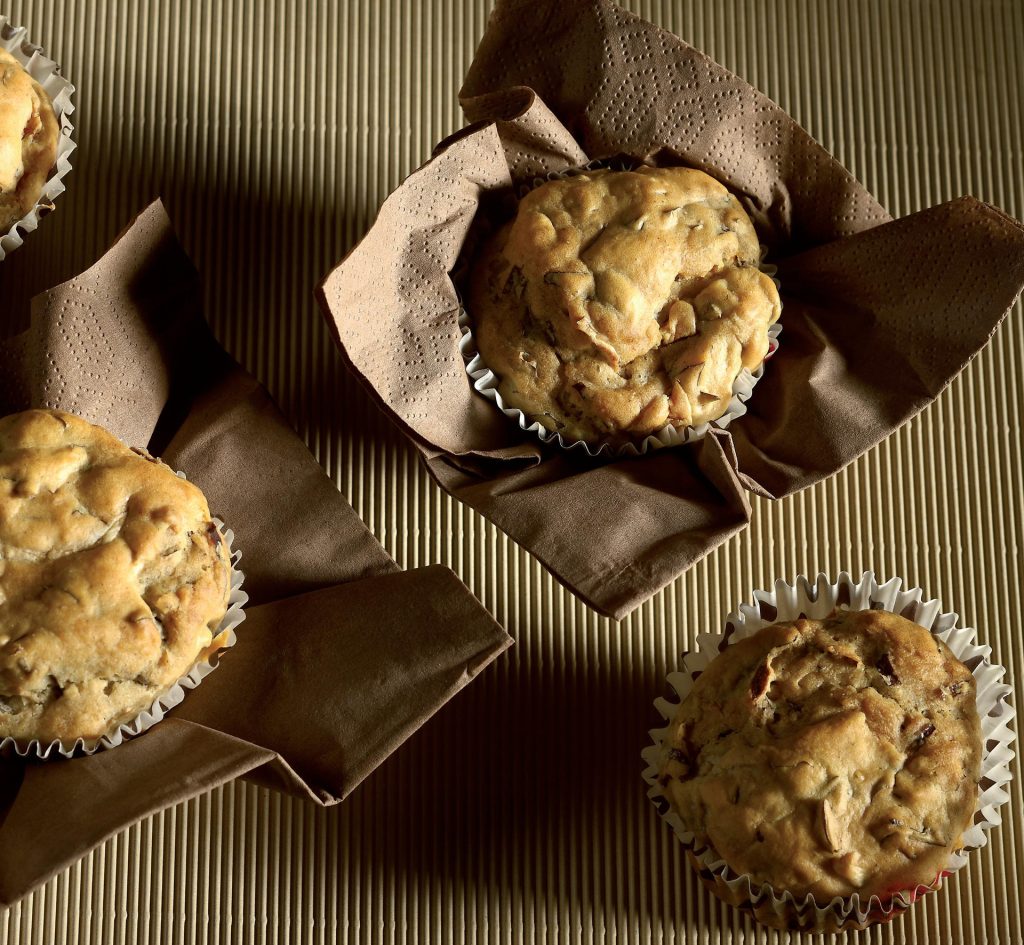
point(113, 578)
point(28, 140)
point(619, 302)
point(829, 757)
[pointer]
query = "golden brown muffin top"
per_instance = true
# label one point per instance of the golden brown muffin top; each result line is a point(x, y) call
point(113, 578)
point(28, 140)
point(618, 302)
point(829, 757)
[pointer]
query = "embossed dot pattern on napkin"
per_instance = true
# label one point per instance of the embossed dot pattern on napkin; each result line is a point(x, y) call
point(341, 656)
point(878, 316)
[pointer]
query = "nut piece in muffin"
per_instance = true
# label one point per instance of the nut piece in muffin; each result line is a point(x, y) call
point(829, 757)
point(617, 303)
point(28, 140)
point(113, 579)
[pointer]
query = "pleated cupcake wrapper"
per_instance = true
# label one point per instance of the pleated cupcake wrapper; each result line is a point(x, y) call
point(486, 382)
point(172, 697)
point(816, 599)
point(47, 73)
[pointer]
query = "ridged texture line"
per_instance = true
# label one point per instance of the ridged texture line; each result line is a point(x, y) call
point(273, 131)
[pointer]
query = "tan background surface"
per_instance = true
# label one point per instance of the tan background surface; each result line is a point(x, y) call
point(274, 130)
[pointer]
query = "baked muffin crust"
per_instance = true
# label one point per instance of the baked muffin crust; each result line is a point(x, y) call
point(113, 578)
point(829, 757)
point(618, 302)
point(28, 140)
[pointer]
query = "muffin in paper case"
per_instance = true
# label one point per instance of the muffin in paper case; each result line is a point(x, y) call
point(47, 73)
point(486, 382)
point(223, 639)
point(816, 598)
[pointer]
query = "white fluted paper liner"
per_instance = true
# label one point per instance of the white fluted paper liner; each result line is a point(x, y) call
point(172, 697)
point(486, 382)
point(816, 599)
point(47, 73)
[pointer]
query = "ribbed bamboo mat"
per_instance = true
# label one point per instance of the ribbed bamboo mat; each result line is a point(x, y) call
point(273, 130)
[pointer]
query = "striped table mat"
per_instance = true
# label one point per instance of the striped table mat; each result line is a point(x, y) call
point(274, 130)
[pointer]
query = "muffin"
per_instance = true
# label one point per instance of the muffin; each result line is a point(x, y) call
point(829, 757)
point(113, 579)
point(617, 303)
point(28, 140)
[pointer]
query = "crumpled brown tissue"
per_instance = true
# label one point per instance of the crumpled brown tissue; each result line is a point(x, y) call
point(341, 655)
point(878, 315)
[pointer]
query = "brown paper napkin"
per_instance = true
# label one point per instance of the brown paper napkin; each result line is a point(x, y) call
point(341, 656)
point(878, 316)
